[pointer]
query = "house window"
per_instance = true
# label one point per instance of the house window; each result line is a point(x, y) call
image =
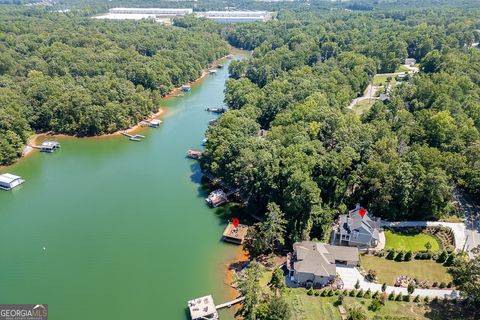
point(355, 234)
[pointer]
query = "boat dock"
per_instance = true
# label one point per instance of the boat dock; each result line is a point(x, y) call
point(47, 146)
point(235, 235)
point(205, 308)
point(216, 110)
point(133, 137)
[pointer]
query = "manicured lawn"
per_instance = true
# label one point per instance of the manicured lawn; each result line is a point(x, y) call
point(402, 68)
point(408, 310)
point(363, 106)
point(405, 242)
point(305, 307)
point(380, 80)
point(388, 270)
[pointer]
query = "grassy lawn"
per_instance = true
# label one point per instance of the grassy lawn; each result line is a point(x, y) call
point(305, 307)
point(414, 242)
point(402, 68)
point(407, 310)
point(381, 80)
point(363, 106)
point(388, 270)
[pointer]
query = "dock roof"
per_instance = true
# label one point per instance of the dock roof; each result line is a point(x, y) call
point(201, 307)
point(236, 233)
point(8, 178)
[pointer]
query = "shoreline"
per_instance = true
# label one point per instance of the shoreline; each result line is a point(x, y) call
point(231, 267)
point(28, 149)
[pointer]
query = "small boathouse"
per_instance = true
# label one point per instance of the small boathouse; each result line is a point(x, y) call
point(194, 154)
point(235, 235)
point(186, 87)
point(154, 123)
point(217, 198)
point(49, 146)
point(203, 308)
point(9, 181)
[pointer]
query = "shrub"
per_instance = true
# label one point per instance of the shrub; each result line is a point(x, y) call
point(383, 297)
point(336, 292)
point(450, 284)
point(375, 305)
point(410, 288)
point(376, 294)
point(330, 293)
point(399, 297)
point(435, 300)
point(391, 296)
point(357, 284)
point(391, 254)
point(442, 257)
point(417, 299)
point(408, 256)
point(340, 299)
point(345, 292)
point(450, 260)
point(371, 275)
point(426, 299)
point(360, 294)
point(435, 284)
point(324, 293)
point(368, 294)
point(400, 256)
point(450, 249)
point(352, 293)
point(356, 313)
point(317, 293)
point(407, 298)
point(442, 285)
point(384, 287)
point(310, 292)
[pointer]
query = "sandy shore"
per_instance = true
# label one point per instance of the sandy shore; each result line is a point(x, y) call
point(231, 269)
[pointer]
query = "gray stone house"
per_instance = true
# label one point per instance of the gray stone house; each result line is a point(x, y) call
point(357, 228)
point(314, 263)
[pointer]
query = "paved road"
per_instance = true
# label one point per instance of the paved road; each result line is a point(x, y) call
point(369, 93)
point(472, 220)
point(350, 275)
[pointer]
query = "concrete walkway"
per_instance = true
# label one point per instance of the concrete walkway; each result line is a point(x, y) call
point(457, 228)
point(350, 275)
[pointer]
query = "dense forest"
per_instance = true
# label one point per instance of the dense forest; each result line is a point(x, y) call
point(82, 76)
point(401, 159)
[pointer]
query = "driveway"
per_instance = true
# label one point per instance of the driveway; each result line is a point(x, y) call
point(472, 220)
point(350, 275)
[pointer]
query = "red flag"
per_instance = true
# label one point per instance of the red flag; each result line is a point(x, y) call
point(362, 211)
point(235, 222)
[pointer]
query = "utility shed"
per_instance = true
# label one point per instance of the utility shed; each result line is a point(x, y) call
point(9, 181)
point(235, 235)
point(203, 308)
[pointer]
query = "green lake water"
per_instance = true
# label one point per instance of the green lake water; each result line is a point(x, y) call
point(125, 226)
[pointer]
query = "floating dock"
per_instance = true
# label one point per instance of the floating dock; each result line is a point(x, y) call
point(48, 146)
point(186, 88)
point(9, 181)
point(194, 154)
point(133, 137)
point(216, 110)
point(217, 198)
point(235, 235)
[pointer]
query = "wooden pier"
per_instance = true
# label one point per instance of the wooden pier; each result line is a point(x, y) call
point(230, 303)
point(133, 137)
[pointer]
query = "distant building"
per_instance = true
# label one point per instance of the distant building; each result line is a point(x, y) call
point(313, 264)
point(357, 228)
point(9, 181)
point(49, 146)
point(164, 12)
point(235, 16)
point(410, 62)
point(203, 308)
point(384, 98)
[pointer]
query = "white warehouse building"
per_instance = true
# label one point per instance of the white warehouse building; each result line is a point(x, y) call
point(236, 16)
point(165, 12)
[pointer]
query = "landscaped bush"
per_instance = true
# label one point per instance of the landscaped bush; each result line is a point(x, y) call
point(360, 294)
point(345, 292)
point(323, 293)
point(400, 256)
point(450, 260)
point(368, 294)
point(391, 254)
point(450, 284)
point(357, 285)
point(330, 293)
point(435, 284)
point(353, 293)
point(384, 287)
point(399, 297)
point(426, 299)
point(375, 305)
point(376, 294)
point(371, 275)
point(317, 293)
point(310, 292)
point(417, 299)
point(407, 298)
point(442, 257)
point(442, 285)
point(391, 296)
point(408, 256)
